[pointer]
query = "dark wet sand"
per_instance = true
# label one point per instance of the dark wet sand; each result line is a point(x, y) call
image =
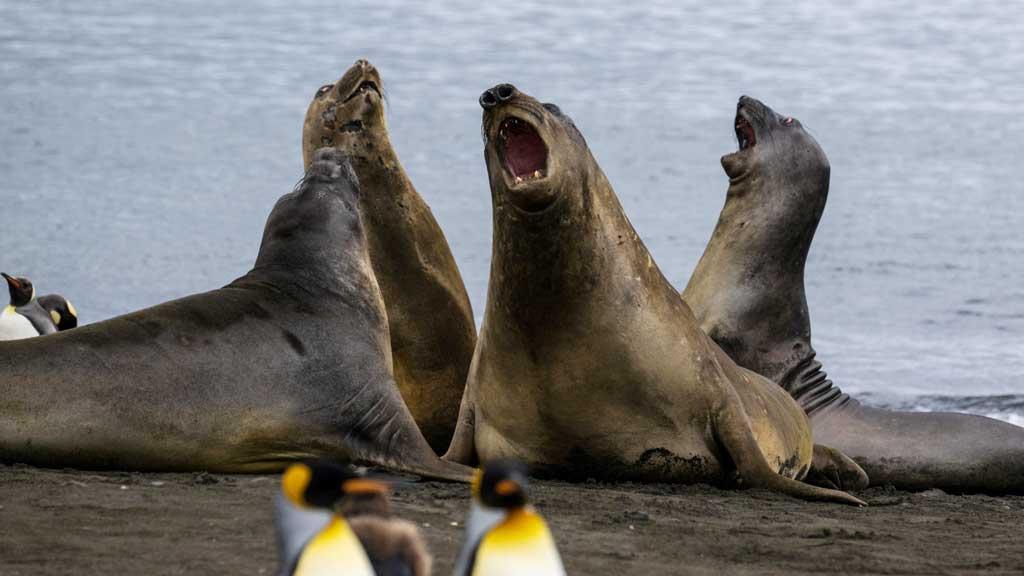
point(72, 522)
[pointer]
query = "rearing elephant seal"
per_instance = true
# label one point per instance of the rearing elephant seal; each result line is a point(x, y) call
point(748, 293)
point(432, 327)
point(290, 361)
point(588, 362)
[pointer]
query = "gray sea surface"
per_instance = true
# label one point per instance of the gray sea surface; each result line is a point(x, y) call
point(142, 145)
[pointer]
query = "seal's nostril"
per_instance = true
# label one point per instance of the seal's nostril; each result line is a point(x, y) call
point(488, 99)
point(504, 91)
point(362, 63)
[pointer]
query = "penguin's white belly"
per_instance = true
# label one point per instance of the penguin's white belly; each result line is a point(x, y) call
point(14, 326)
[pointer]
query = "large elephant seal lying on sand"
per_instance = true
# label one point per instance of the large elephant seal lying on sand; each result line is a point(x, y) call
point(588, 362)
point(748, 293)
point(288, 362)
point(432, 327)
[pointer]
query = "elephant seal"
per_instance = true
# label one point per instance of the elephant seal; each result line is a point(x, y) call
point(432, 327)
point(288, 362)
point(747, 291)
point(588, 362)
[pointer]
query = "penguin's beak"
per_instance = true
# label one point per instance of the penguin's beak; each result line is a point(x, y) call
point(508, 487)
point(11, 280)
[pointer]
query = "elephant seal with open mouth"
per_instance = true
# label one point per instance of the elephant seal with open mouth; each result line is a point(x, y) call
point(288, 362)
point(588, 363)
point(748, 294)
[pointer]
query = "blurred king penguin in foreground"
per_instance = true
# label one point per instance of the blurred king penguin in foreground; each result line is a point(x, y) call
point(331, 520)
point(505, 536)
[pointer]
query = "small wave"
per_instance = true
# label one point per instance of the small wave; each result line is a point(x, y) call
point(1005, 407)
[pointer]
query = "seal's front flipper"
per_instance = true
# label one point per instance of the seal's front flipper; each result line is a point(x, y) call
point(732, 428)
point(463, 447)
point(830, 468)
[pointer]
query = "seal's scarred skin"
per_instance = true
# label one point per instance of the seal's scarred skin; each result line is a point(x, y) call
point(432, 327)
point(290, 361)
point(588, 362)
point(748, 294)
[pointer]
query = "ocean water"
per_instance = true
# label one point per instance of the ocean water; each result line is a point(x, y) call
point(142, 145)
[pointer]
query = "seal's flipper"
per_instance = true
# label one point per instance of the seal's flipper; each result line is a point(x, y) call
point(830, 468)
point(378, 429)
point(463, 447)
point(733, 432)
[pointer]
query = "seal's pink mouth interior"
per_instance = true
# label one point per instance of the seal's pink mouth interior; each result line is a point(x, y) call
point(744, 133)
point(523, 151)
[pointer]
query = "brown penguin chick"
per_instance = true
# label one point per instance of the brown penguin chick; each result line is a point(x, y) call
point(394, 546)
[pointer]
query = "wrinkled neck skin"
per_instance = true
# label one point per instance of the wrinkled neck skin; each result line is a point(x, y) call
point(748, 288)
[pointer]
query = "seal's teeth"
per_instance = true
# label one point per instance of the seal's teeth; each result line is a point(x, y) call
point(536, 173)
point(519, 179)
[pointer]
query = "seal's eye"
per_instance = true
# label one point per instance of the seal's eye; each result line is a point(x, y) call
point(324, 90)
point(787, 121)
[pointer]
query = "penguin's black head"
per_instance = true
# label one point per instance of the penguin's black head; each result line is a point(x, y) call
point(21, 289)
point(325, 484)
point(64, 315)
point(502, 483)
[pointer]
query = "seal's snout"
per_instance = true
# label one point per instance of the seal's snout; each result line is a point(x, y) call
point(364, 65)
point(500, 93)
point(330, 164)
point(505, 92)
point(330, 156)
point(488, 100)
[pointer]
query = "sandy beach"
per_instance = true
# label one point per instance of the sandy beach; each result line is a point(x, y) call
point(75, 522)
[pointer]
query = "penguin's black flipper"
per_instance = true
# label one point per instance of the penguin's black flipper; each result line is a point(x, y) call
point(38, 316)
point(294, 527)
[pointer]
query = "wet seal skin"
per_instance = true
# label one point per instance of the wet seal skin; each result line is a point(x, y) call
point(432, 327)
point(748, 294)
point(288, 362)
point(588, 362)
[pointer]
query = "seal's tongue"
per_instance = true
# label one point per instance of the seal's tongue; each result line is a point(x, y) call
point(525, 153)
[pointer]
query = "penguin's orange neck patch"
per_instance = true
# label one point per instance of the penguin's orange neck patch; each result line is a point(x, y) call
point(364, 486)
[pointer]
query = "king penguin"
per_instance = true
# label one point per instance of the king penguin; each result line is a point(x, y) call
point(64, 315)
point(505, 536)
point(331, 520)
point(23, 317)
